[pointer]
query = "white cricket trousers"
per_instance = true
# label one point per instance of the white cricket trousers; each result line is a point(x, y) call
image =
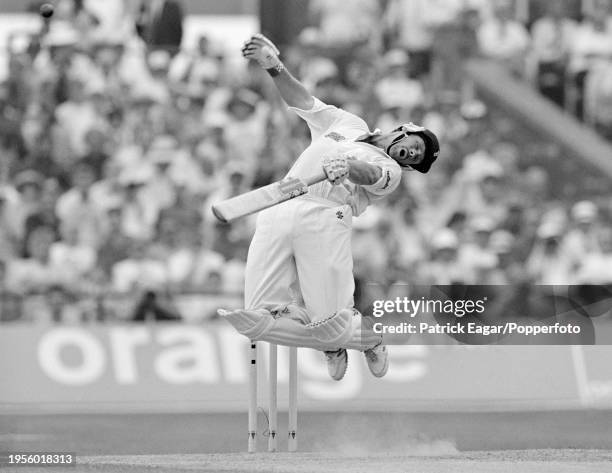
point(301, 254)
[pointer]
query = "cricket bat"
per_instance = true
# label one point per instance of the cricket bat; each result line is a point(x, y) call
point(264, 197)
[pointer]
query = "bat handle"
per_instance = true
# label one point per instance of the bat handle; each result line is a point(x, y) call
point(320, 177)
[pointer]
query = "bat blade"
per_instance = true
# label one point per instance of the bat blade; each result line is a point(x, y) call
point(264, 197)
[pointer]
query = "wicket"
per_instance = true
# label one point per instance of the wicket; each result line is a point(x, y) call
point(272, 399)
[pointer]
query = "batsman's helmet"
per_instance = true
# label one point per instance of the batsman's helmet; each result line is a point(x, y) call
point(432, 146)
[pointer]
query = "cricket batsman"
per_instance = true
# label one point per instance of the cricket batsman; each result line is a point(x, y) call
point(299, 275)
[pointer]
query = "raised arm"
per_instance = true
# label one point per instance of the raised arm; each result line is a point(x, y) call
point(261, 49)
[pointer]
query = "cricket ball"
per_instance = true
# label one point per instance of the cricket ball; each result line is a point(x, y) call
point(46, 10)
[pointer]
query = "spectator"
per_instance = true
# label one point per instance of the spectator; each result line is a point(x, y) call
point(191, 263)
point(34, 273)
point(591, 45)
point(160, 24)
point(140, 271)
point(115, 245)
point(235, 184)
point(10, 303)
point(78, 115)
point(232, 275)
point(213, 284)
point(158, 67)
point(26, 203)
point(598, 98)
point(547, 264)
point(583, 238)
point(596, 268)
point(458, 224)
point(395, 90)
point(327, 83)
point(113, 17)
point(444, 267)
point(519, 223)
point(200, 70)
point(445, 117)
point(60, 61)
point(76, 259)
point(345, 23)
point(412, 25)
point(184, 211)
point(60, 305)
point(75, 14)
point(508, 270)
point(411, 245)
point(79, 215)
point(8, 240)
point(139, 214)
point(97, 151)
point(478, 188)
point(504, 39)
point(244, 133)
point(108, 54)
point(159, 189)
point(477, 253)
point(312, 63)
point(369, 254)
point(155, 306)
point(108, 191)
point(455, 43)
point(536, 185)
point(552, 38)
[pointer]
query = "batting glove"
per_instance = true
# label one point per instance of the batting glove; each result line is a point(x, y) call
point(261, 49)
point(336, 169)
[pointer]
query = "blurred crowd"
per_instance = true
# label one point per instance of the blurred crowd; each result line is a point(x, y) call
point(565, 51)
point(115, 142)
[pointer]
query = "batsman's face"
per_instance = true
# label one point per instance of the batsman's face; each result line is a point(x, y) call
point(409, 150)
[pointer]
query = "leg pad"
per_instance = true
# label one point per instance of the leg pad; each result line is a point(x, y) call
point(335, 330)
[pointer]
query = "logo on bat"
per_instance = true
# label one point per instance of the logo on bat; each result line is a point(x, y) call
point(292, 187)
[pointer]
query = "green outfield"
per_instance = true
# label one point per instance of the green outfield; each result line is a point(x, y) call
point(552, 441)
point(536, 461)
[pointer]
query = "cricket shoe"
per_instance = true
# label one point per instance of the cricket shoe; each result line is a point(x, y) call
point(378, 360)
point(337, 362)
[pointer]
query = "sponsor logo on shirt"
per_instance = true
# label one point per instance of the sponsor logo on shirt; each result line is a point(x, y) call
point(335, 136)
point(387, 179)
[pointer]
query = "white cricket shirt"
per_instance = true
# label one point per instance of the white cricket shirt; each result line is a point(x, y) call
point(333, 132)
